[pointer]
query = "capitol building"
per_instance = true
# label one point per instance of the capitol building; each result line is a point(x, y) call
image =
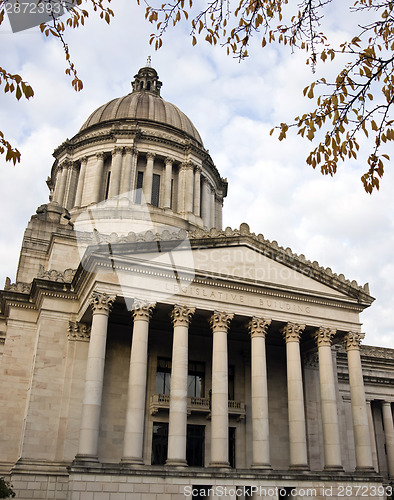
point(148, 353)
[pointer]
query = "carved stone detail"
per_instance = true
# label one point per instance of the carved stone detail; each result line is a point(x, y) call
point(353, 340)
point(182, 315)
point(54, 275)
point(310, 360)
point(187, 165)
point(324, 336)
point(19, 286)
point(78, 331)
point(117, 151)
point(292, 332)
point(220, 321)
point(101, 302)
point(169, 160)
point(258, 326)
point(130, 150)
point(100, 156)
point(142, 309)
point(150, 156)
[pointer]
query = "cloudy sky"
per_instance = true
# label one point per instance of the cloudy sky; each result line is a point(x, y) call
point(233, 105)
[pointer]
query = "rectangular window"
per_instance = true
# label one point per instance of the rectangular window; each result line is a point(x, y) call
point(195, 445)
point(155, 190)
point(159, 443)
point(231, 446)
point(163, 376)
point(196, 380)
point(231, 395)
point(140, 181)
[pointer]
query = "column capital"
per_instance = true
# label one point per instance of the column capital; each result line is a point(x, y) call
point(197, 169)
point(292, 332)
point(258, 326)
point(182, 315)
point(117, 151)
point(353, 340)
point(130, 150)
point(142, 309)
point(100, 156)
point(101, 302)
point(323, 336)
point(220, 321)
point(169, 160)
point(150, 156)
point(67, 163)
point(386, 403)
point(84, 159)
point(204, 180)
point(187, 165)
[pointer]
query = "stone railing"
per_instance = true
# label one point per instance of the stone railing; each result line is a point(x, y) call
point(195, 405)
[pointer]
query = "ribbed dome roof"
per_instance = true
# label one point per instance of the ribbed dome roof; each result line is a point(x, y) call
point(144, 103)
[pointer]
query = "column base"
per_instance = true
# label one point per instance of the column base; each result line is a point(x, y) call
point(261, 466)
point(174, 462)
point(299, 467)
point(333, 468)
point(132, 461)
point(222, 465)
point(86, 460)
point(365, 469)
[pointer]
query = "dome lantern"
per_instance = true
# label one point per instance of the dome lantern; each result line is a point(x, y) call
point(147, 80)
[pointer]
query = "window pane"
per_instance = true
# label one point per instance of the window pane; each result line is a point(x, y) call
point(138, 194)
point(195, 445)
point(159, 443)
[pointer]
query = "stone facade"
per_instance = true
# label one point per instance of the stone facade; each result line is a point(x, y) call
point(147, 353)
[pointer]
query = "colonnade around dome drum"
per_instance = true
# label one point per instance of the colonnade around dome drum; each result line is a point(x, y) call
point(182, 187)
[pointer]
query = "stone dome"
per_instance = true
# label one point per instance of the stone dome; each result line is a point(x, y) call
point(144, 103)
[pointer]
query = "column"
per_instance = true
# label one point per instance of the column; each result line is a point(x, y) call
point(148, 178)
point(295, 396)
point(389, 435)
point(127, 168)
point(133, 176)
point(260, 423)
point(167, 182)
point(206, 203)
point(197, 191)
point(189, 187)
point(135, 416)
point(98, 177)
point(359, 408)
point(116, 172)
point(181, 316)
point(63, 183)
point(331, 437)
point(81, 181)
point(220, 323)
point(181, 188)
point(219, 205)
point(372, 437)
point(91, 406)
point(212, 209)
point(71, 185)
